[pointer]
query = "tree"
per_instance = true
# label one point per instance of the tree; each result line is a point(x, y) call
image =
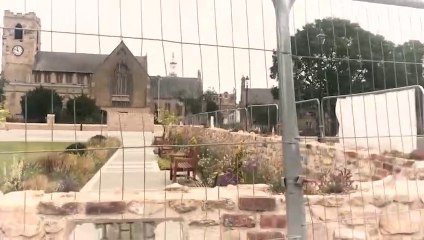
point(39, 103)
point(336, 57)
point(209, 96)
point(86, 110)
point(2, 83)
point(350, 60)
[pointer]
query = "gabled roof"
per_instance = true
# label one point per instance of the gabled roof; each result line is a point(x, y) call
point(259, 96)
point(174, 87)
point(72, 62)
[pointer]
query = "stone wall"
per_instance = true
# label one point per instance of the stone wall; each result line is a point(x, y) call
point(391, 208)
point(56, 126)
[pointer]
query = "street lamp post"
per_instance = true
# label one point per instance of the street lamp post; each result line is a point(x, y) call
point(158, 99)
point(321, 38)
point(246, 82)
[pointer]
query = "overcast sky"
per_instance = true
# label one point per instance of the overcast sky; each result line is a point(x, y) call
point(254, 28)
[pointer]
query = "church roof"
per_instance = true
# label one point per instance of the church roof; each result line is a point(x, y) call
point(72, 62)
point(174, 87)
point(259, 96)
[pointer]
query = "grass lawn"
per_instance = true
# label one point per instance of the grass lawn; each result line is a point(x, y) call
point(6, 159)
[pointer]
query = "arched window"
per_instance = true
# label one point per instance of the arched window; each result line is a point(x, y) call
point(19, 32)
point(122, 78)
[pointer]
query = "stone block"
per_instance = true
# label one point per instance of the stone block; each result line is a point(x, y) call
point(97, 208)
point(257, 235)
point(226, 204)
point(238, 220)
point(51, 208)
point(183, 206)
point(257, 203)
point(273, 221)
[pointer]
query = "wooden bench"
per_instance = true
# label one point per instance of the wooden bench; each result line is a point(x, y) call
point(183, 163)
point(163, 150)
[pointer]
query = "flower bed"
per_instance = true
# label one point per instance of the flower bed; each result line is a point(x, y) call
point(63, 171)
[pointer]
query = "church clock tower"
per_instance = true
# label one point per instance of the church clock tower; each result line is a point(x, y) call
point(21, 41)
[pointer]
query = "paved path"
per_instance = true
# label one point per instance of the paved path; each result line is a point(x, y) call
point(134, 165)
point(137, 164)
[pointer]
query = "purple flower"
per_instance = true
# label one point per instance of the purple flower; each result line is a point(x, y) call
point(251, 164)
point(226, 179)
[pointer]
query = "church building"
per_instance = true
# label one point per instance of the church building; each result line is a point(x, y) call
point(119, 82)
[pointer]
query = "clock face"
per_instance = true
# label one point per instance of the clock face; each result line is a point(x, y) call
point(18, 50)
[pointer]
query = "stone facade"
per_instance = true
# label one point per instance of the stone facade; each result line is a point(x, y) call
point(20, 30)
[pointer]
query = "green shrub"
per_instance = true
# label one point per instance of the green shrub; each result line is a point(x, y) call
point(164, 164)
point(338, 181)
point(77, 149)
point(68, 184)
point(13, 182)
point(97, 140)
point(54, 163)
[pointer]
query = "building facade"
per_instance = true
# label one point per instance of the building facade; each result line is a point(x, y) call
point(119, 82)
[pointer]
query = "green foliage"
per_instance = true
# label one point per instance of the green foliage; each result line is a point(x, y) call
point(86, 110)
point(164, 163)
point(338, 181)
point(209, 166)
point(13, 182)
point(58, 171)
point(2, 83)
point(263, 116)
point(326, 71)
point(39, 102)
point(167, 118)
point(193, 105)
point(76, 148)
point(4, 114)
point(97, 141)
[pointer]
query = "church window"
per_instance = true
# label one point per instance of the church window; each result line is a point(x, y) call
point(47, 77)
point(69, 78)
point(59, 77)
point(122, 77)
point(168, 107)
point(179, 110)
point(19, 32)
point(80, 79)
point(37, 77)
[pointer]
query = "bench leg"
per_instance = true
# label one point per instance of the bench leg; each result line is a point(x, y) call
point(194, 174)
point(174, 175)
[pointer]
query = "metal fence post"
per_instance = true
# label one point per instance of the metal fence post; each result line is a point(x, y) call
point(296, 224)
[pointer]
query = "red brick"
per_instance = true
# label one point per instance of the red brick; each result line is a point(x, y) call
point(381, 173)
point(265, 236)
point(238, 220)
point(417, 154)
point(273, 221)
point(388, 167)
point(257, 203)
point(95, 208)
point(351, 154)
